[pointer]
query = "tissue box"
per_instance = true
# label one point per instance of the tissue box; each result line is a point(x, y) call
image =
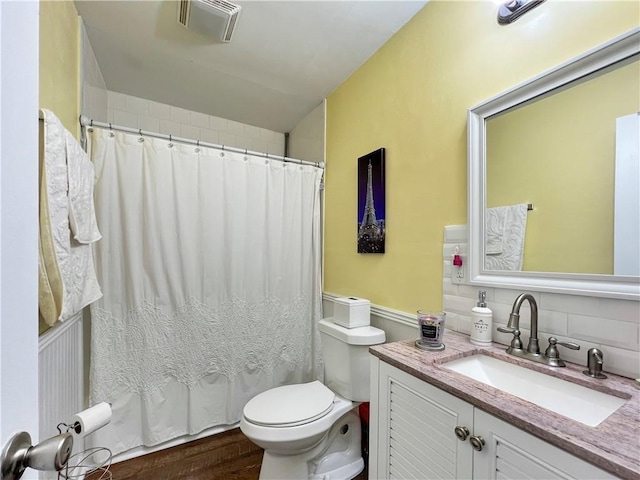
point(351, 312)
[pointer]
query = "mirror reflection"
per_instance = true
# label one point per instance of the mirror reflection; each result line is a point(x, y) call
point(573, 155)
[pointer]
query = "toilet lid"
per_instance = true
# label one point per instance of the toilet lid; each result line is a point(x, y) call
point(290, 405)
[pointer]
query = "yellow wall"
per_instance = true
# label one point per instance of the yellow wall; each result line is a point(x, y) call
point(60, 61)
point(60, 67)
point(411, 97)
point(559, 154)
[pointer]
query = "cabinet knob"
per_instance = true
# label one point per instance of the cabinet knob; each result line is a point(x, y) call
point(461, 432)
point(477, 442)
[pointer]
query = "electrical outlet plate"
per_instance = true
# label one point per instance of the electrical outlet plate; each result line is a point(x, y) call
point(458, 274)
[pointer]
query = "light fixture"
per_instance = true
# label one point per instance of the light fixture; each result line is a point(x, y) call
point(512, 10)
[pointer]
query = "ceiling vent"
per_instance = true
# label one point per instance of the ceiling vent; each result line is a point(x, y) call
point(213, 18)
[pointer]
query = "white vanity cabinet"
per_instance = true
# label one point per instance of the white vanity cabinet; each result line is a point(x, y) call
point(418, 431)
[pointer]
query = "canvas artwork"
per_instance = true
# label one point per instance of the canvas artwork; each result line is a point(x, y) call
point(371, 203)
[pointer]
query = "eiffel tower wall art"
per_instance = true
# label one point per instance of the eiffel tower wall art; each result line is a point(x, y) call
point(371, 203)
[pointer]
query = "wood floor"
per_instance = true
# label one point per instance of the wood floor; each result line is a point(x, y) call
point(226, 456)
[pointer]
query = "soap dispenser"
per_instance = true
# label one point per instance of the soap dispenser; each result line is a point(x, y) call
point(481, 322)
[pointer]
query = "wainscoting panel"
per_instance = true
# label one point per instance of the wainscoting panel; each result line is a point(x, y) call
point(61, 378)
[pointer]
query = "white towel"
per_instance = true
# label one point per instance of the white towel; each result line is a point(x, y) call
point(82, 215)
point(495, 224)
point(506, 228)
point(75, 260)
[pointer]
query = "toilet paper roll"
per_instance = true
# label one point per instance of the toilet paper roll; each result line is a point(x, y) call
point(91, 419)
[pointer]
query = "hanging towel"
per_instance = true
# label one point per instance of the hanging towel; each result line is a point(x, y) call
point(61, 255)
point(82, 215)
point(50, 286)
point(495, 226)
point(506, 227)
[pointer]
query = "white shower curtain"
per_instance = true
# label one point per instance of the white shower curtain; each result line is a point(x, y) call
point(210, 268)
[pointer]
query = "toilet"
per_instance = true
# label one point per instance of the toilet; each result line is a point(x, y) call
point(312, 430)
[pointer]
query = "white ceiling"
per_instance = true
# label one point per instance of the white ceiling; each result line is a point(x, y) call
point(284, 58)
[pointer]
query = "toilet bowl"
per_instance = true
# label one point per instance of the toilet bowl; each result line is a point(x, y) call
point(312, 430)
point(299, 447)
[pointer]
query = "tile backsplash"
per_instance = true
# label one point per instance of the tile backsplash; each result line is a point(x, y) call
point(611, 325)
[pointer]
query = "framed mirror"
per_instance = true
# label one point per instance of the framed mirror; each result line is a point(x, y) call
point(554, 178)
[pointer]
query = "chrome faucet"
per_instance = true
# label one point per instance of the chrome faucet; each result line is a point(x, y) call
point(514, 326)
point(551, 356)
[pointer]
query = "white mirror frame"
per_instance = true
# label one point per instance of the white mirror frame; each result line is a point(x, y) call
point(623, 287)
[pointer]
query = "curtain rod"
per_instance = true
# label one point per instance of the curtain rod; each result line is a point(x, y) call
point(87, 122)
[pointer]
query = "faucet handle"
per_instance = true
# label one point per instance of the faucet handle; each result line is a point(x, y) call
point(553, 354)
point(516, 343)
point(571, 345)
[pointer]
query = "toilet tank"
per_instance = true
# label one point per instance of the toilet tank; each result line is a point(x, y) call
point(346, 358)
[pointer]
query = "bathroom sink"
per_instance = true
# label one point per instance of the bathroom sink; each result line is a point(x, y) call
point(583, 404)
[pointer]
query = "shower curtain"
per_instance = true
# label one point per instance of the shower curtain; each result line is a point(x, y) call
point(210, 268)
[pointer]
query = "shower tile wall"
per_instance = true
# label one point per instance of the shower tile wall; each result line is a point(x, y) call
point(306, 139)
point(135, 112)
point(608, 324)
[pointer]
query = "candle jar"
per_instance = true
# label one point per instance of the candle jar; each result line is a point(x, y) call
point(431, 326)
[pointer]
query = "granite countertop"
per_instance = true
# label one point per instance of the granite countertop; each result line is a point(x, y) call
point(614, 445)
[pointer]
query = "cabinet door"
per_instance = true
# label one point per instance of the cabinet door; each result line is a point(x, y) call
point(416, 430)
point(511, 453)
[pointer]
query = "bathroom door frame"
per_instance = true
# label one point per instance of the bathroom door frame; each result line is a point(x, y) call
point(19, 39)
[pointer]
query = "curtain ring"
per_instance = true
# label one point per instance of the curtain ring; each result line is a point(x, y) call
point(223, 148)
point(91, 123)
point(170, 138)
point(109, 126)
point(197, 142)
point(140, 131)
point(246, 151)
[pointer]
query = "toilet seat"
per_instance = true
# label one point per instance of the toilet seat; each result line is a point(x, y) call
point(290, 405)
